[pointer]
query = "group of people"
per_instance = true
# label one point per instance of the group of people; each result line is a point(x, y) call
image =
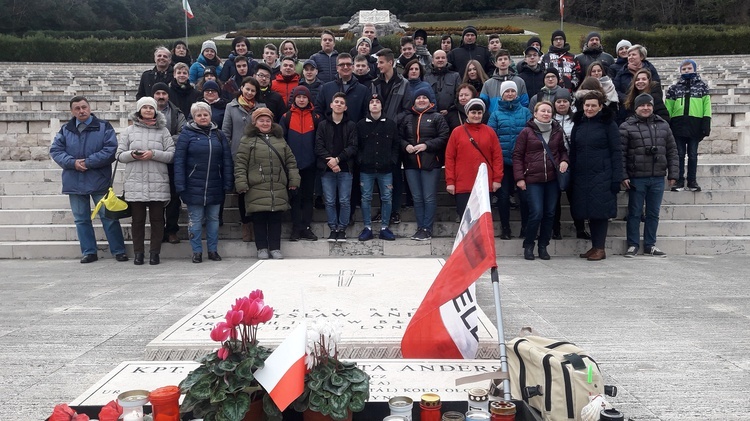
point(280, 131)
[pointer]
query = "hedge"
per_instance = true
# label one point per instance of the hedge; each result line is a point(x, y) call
point(685, 41)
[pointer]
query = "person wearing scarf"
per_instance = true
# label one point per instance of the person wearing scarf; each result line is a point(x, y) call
point(146, 147)
point(209, 57)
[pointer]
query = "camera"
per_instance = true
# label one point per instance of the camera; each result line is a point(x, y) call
point(652, 150)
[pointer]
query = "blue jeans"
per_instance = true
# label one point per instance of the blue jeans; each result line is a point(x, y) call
point(385, 185)
point(650, 190)
point(423, 185)
point(337, 185)
point(80, 205)
point(687, 145)
point(542, 200)
point(195, 227)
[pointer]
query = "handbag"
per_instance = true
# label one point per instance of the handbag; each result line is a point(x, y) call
point(563, 178)
point(115, 207)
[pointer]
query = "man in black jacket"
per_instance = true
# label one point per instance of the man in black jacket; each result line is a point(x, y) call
point(469, 50)
point(273, 100)
point(162, 72)
point(649, 154)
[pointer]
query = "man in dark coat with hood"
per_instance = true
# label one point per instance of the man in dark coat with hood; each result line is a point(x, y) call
point(469, 50)
point(593, 51)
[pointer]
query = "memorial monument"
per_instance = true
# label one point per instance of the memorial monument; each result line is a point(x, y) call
point(385, 22)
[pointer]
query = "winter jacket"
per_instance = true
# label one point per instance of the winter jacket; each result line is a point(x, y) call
point(236, 118)
point(459, 57)
point(273, 102)
point(618, 65)
point(327, 144)
point(545, 94)
point(443, 83)
point(490, 92)
point(357, 98)
point(149, 78)
point(462, 159)
point(566, 124)
point(416, 84)
point(624, 77)
point(457, 116)
point(565, 63)
point(507, 122)
point(183, 96)
point(373, 49)
point(430, 128)
point(689, 105)
point(229, 69)
point(326, 65)
point(261, 174)
point(399, 99)
point(314, 87)
point(218, 109)
point(203, 167)
point(533, 78)
point(660, 108)
point(638, 136)
point(531, 162)
point(146, 181)
point(378, 145)
point(366, 80)
point(595, 165)
point(97, 144)
point(196, 70)
point(299, 126)
point(589, 56)
point(283, 86)
point(175, 120)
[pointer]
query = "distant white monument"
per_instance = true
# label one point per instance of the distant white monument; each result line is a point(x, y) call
point(385, 22)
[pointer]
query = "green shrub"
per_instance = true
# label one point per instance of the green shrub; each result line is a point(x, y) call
point(279, 24)
point(305, 23)
point(686, 41)
point(333, 20)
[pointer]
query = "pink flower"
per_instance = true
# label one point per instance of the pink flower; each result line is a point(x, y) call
point(258, 312)
point(221, 332)
point(234, 317)
point(223, 353)
point(257, 294)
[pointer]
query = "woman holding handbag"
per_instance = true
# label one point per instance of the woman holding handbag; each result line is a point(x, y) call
point(537, 157)
point(146, 147)
point(265, 170)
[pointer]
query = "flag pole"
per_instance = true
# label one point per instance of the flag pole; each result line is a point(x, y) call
point(186, 31)
point(500, 332)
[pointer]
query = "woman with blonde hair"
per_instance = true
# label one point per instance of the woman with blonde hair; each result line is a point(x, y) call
point(475, 75)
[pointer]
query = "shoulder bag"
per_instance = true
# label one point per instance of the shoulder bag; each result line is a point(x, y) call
point(281, 160)
point(563, 178)
point(115, 207)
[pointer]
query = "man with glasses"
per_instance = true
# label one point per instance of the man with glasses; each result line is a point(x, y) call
point(560, 57)
point(267, 96)
point(356, 94)
point(325, 59)
point(531, 71)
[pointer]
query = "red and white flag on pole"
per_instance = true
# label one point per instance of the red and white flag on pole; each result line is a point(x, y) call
point(445, 324)
point(562, 7)
point(283, 374)
point(187, 9)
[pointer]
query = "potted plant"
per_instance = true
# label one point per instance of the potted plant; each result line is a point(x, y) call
point(333, 388)
point(223, 387)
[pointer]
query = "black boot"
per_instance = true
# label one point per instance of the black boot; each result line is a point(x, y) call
point(138, 259)
point(153, 259)
point(505, 234)
point(543, 253)
point(528, 252)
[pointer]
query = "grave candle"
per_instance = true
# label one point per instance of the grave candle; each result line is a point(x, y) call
point(430, 407)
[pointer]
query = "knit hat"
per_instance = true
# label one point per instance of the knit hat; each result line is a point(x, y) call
point(533, 40)
point(262, 112)
point(508, 84)
point(553, 71)
point(563, 94)
point(421, 33)
point(377, 97)
point(208, 44)
point(146, 100)
point(474, 104)
point(623, 43)
point(691, 61)
point(559, 33)
point(532, 48)
point(643, 99)
point(210, 70)
point(301, 90)
point(422, 91)
point(309, 62)
point(592, 35)
point(469, 29)
point(210, 86)
point(365, 40)
point(159, 86)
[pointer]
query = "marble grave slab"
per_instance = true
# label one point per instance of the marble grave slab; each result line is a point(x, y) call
point(373, 300)
point(388, 378)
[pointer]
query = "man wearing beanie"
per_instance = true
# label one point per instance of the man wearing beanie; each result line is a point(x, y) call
point(551, 89)
point(460, 56)
point(531, 71)
point(649, 154)
point(209, 56)
point(162, 72)
point(622, 56)
point(560, 58)
point(689, 106)
point(369, 31)
point(593, 51)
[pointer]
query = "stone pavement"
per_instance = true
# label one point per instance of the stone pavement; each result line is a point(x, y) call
point(672, 334)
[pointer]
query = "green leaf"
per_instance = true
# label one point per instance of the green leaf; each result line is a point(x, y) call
point(339, 415)
point(360, 387)
point(235, 407)
point(218, 395)
point(192, 378)
point(357, 376)
point(340, 403)
point(315, 385)
point(316, 400)
point(228, 365)
point(337, 380)
point(357, 403)
point(188, 403)
point(337, 389)
point(246, 367)
point(202, 388)
point(273, 413)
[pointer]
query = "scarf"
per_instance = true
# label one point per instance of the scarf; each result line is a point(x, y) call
point(609, 89)
point(248, 106)
point(545, 128)
point(148, 121)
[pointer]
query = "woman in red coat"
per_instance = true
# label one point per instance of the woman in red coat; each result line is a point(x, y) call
point(470, 145)
point(536, 175)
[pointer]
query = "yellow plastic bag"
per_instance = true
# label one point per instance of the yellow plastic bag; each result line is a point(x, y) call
point(114, 207)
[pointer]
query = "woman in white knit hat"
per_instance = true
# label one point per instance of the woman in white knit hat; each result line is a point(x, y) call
point(209, 56)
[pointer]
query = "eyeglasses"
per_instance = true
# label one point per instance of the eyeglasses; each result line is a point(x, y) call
point(344, 64)
point(262, 76)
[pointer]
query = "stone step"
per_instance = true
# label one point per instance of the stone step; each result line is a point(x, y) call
point(667, 228)
point(440, 246)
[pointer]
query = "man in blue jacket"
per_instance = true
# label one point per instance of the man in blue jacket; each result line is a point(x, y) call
point(85, 148)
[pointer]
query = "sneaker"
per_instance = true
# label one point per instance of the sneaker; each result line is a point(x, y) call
point(387, 235)
point(295, 236)
point(365, 235)
point(395, 218)
point(422, 235)
point(693, 186)
point(654, 252)
point(377, 217)
point(678, 186)
point(632, 251)
point(333, 236)
point(341, 236)
point(263, 254)
point(308, 235)
point(276, 254)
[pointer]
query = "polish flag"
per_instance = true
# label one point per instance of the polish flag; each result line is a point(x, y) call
point(283, 374)
point(187, 9)
point(446, 324)
point(562, 7)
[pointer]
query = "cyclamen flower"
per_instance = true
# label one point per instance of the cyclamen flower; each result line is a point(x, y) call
point(223, 353)
point(256, 295)
point(257, 312)
point(221, 332)
point(234, 318)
